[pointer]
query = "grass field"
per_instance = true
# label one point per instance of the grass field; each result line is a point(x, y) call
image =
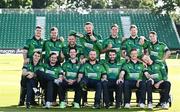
point(10, 72)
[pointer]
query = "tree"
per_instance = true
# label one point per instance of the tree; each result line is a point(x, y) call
point(146, 4)
point(170, 7)
point(3, 4)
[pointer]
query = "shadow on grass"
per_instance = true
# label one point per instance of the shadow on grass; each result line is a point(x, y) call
point(15, 108)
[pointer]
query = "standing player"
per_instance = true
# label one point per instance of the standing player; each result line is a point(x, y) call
point(72, 44)
point(90, 41)
point(70, 67)
point(132, 74)
point(133, 42)
point(113, 42)
point(158, 50)
point(54, 45)
point(32, 45)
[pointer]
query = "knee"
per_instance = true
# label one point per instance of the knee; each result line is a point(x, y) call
point(126, 83)
point(168, 84)
point(98, 85)
point(105, 84)
point(149, 83)
point(142, 84)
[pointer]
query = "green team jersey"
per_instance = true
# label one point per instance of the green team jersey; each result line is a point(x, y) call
point(157, 50)
point(157, 70)
point(92, 71)
point(113, 69)
point(131, 43)
point(33, 45)
point(89, 45)
point(70, 69)
point(133, 71)
point(77, 47)
point(33, 68)
point(116, 44)
point(53, 71)
point(52, 47)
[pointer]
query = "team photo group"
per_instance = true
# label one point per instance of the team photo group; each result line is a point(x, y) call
point(119, 65)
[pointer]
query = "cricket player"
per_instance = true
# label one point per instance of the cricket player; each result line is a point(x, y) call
point(113, 68)
point(113, 42)
point(93, 75)
point(54, 45)
point(28, 73)
point(156, 76)
point(132, 76)
point(70, 67)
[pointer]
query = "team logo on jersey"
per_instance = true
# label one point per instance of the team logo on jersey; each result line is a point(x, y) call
point(88, 67)
point(68, 66)
point(138, 68)
point(157, 48)
point(77, 67)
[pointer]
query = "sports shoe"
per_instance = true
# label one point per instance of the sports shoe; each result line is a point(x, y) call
point(127, 105)
point(28, 106)
point(141, 105)
point(76, 105)
point(62, 105)
point(150, 106)
point(48, 105)
point(165, 106)
point(96, 106)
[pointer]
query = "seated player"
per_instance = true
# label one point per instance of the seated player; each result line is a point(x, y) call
point(31, 81)
point(93, 75)
point(157, 79)
point(113, 68)
point(132, 74)
point(70, 67)
point(50, 74)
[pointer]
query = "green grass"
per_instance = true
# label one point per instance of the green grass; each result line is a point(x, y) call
point(10, 73)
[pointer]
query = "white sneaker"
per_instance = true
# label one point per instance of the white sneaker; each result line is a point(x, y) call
point(141, 105)
point(127, 105)
point(164, 106)
point(150, 106)
point(48, 105)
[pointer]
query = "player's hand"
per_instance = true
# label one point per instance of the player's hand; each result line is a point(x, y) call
point(142, 38)
point(109, 46)
point(151, 81)
point(62, 55)
point(137, 83)
point(104, 78)
point(79, 77)
point(60, 79)
point(145, 65)
point(119, 81)
point(70, 82)
point(93, 38)
point(83, 60)
point(127, 58)
point(26, 61)
point(157, 84)
point(79, 35)
point(61, 39)
point(30, 75)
